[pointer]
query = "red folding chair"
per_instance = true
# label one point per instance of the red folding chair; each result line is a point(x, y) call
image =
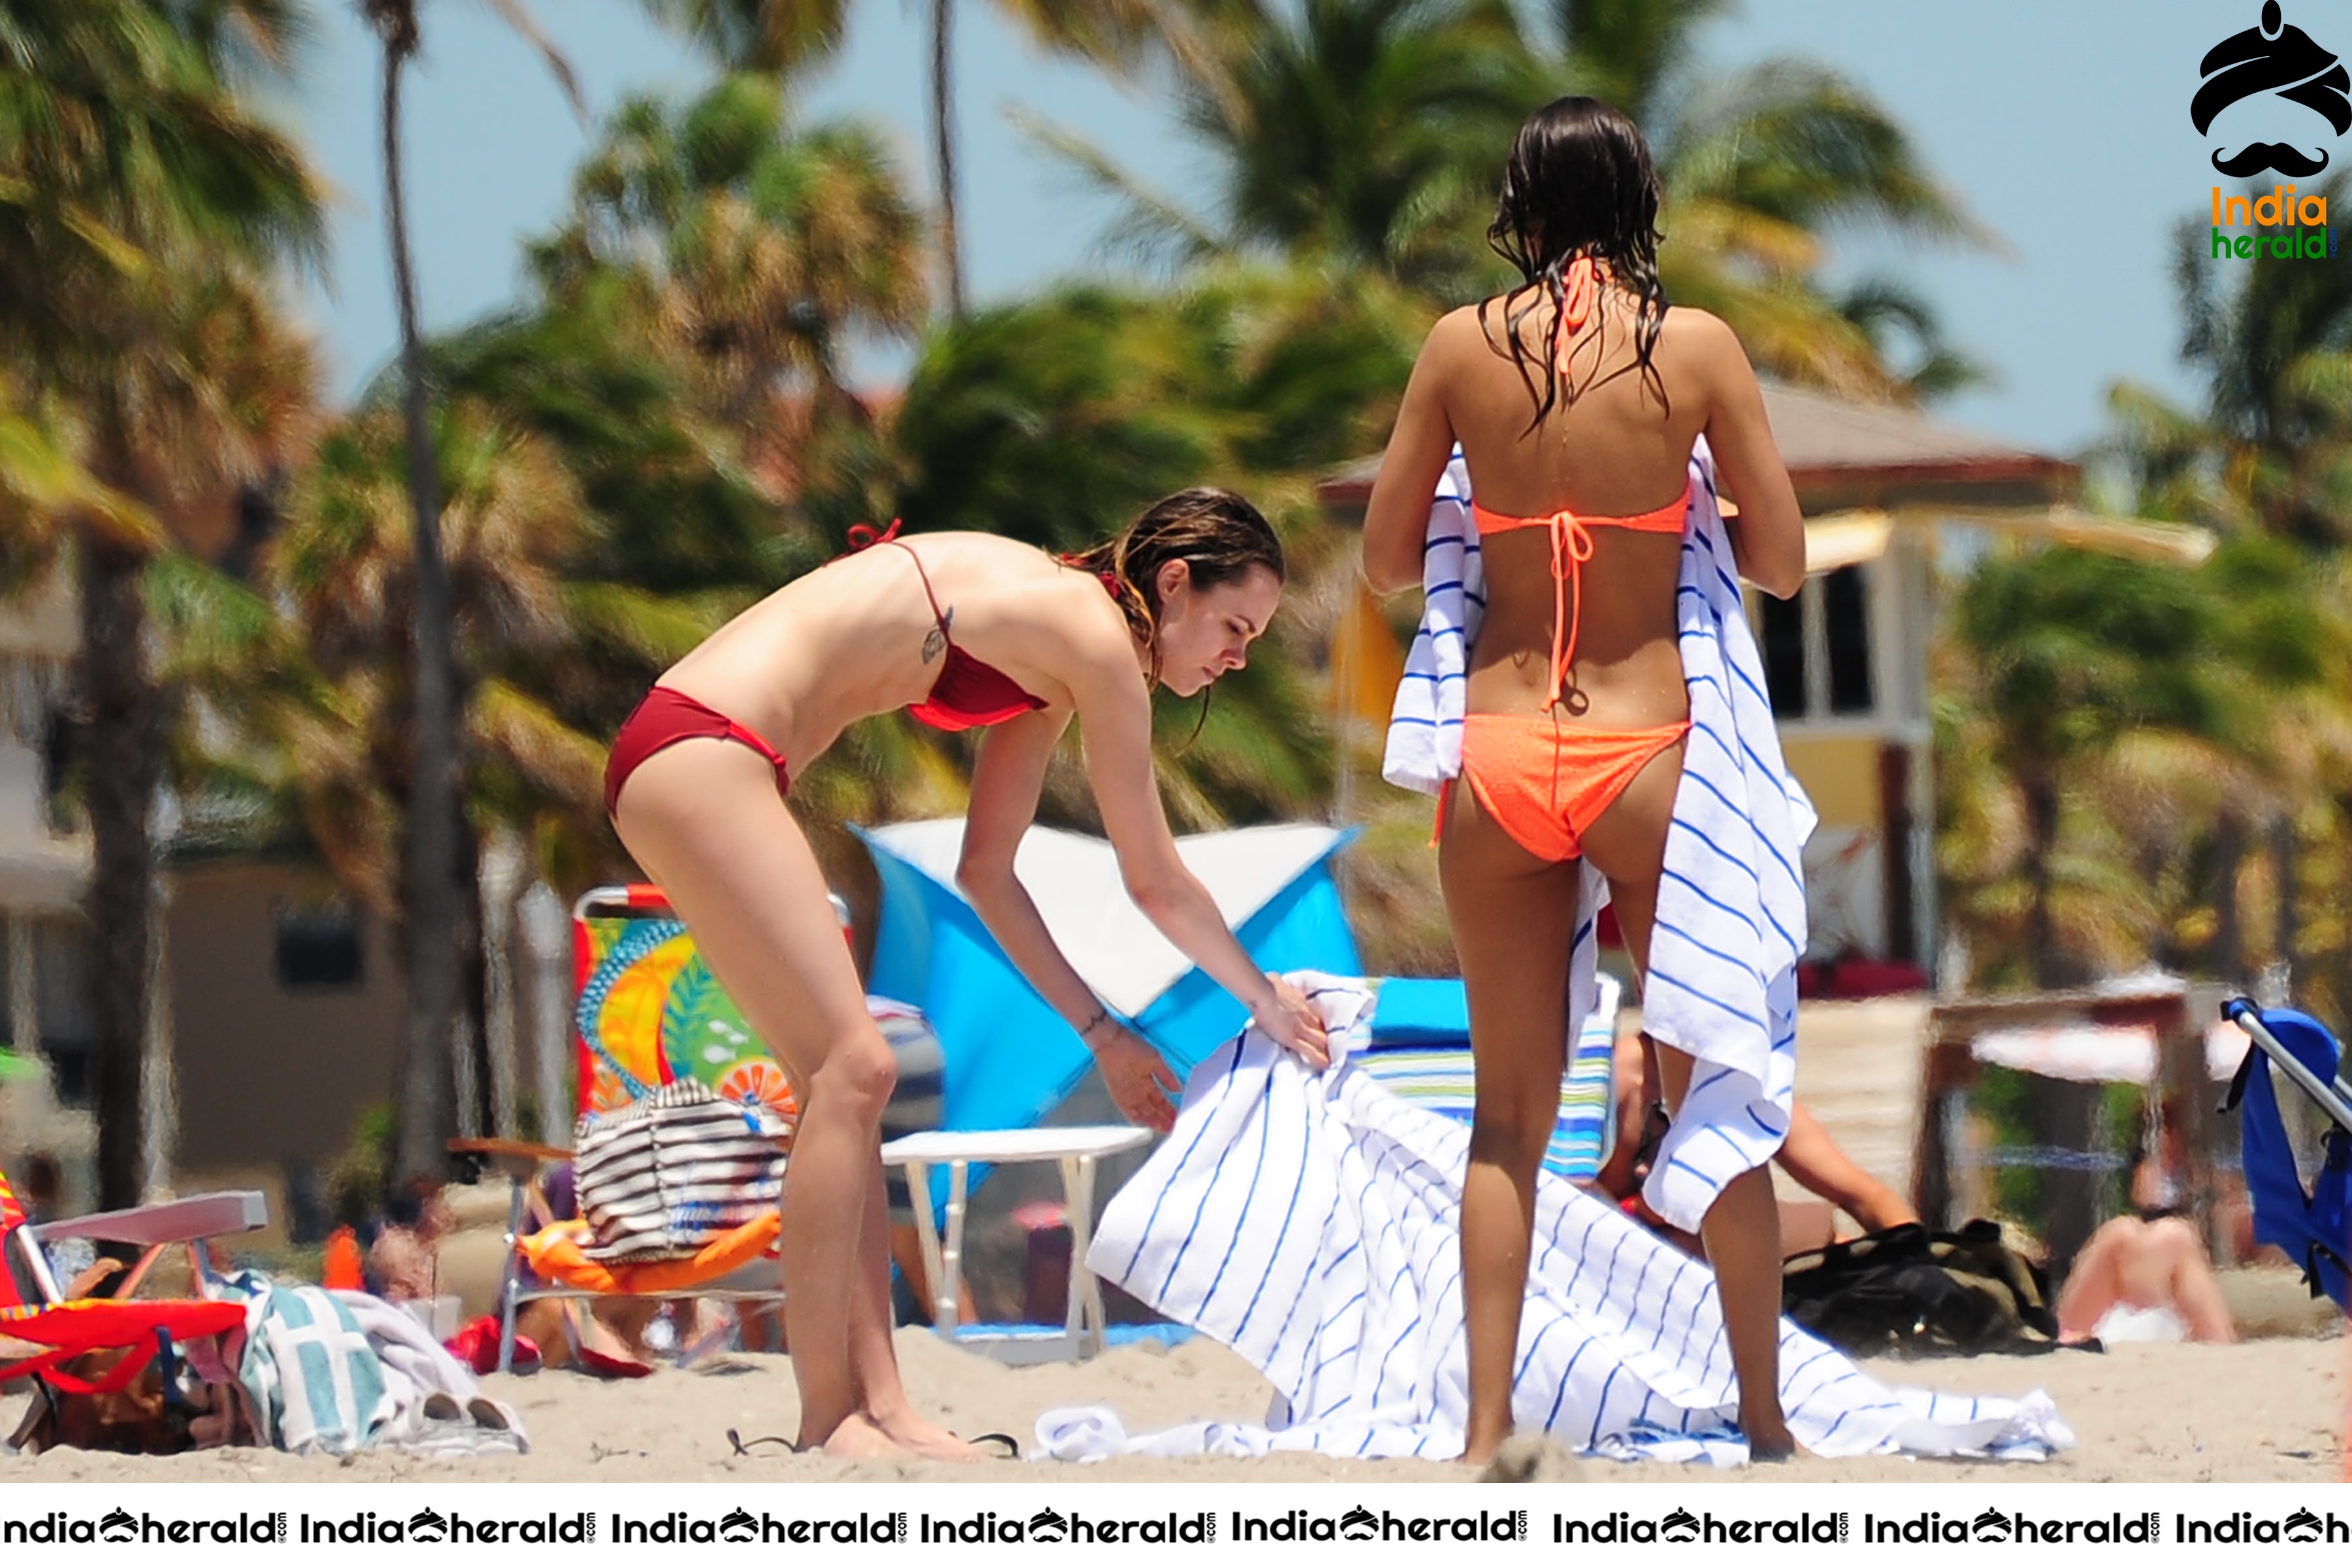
point(44, 1324)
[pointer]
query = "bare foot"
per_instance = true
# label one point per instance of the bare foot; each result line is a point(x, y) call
point(858, 1438)
point(917, 1435)
point(1771, 1445)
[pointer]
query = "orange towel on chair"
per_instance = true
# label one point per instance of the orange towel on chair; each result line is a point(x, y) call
point(554, 1255)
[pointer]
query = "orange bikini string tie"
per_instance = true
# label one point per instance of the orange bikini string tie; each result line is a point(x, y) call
point(1571, 547)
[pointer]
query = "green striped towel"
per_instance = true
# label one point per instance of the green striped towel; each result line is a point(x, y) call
point(1427, 1068)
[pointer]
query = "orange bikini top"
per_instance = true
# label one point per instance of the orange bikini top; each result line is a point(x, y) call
point(1571, 547)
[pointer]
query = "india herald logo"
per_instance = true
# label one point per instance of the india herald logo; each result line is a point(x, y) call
point(2285, 62)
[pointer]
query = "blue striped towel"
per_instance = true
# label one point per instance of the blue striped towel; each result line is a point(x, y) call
point(1433, 1072)
point(1311, 1221)
point(1731, 906)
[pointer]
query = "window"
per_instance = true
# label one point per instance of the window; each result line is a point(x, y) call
point(1783, 649)
point(1846, 616)
point(1817, 648)
point(319, 949)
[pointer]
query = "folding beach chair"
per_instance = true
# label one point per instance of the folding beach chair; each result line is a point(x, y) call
point(649, 1013)
point(44, 1324)
point(2310, 1223)
point(1420, 1053)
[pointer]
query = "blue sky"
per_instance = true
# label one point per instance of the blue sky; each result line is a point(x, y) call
point(2062, 127)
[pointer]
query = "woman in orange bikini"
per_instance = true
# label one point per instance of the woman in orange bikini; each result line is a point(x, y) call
point(962, 630)
point(1576, 399)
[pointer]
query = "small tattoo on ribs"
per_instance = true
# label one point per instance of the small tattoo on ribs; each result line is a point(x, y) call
point(934, 641)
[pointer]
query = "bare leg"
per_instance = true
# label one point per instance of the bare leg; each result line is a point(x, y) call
point(1514, 918)
point(871, 1354)
point(1822, 1168)
point(1742, 1229)
point(704, 820)
point(2196, 1294)
point(2145, 1265)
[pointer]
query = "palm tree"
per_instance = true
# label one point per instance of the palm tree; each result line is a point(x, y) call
point(753, 249)
point(440, 879)
point(2269, 452)
point(2070, 655)
point(141, 190)
point(541, 650)
point(1358, 132)
point(777, 37)
point(1374, 132)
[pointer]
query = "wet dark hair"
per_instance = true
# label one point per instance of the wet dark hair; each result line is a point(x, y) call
point(1215, 532)
point(1579, 183)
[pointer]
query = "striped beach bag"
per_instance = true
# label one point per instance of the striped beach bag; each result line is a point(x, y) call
point(665, 1175)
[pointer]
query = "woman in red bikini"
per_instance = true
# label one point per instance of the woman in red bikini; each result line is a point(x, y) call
point(1576, 399)
point(962, 630)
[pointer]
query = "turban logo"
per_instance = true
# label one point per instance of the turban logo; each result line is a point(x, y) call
point(2279, 60)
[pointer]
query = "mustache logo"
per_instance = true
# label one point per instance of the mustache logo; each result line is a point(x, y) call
point(2257, 156)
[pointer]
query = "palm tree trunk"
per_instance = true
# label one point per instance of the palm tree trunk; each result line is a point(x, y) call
point(123, 768)
point(943, 128)
point(431, 905)
point(2040, 791)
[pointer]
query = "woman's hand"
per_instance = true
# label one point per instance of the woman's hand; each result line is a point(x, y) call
point(1290, 1020)
point(1139, 1078)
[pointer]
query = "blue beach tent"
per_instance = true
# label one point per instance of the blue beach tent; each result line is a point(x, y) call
point(1009, 1058)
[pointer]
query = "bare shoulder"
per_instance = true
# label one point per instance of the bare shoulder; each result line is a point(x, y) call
point(1457, 334)
point(1085, 619)
point(1700, 335)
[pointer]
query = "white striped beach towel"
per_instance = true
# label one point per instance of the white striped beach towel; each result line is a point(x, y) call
point(1731, 908)
point(1311, 1222)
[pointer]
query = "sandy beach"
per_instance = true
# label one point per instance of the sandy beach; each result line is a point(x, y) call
point(2265, 1410)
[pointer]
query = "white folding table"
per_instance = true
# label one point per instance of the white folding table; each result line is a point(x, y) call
point(1077, 1150)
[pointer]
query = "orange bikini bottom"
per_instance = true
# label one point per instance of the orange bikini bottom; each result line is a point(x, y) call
point(1546, 784)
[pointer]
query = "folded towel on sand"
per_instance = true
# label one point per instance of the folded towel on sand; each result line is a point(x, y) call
point(1310, 1221)
point(333, 1372)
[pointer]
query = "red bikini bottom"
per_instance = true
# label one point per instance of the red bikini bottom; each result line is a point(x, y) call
point(663, 719)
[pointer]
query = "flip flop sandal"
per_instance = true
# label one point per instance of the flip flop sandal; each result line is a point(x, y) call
point(744, 1446)
point(1011, 1445)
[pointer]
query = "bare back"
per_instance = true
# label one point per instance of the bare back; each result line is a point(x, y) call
point(857, 636)
point(1617, 444)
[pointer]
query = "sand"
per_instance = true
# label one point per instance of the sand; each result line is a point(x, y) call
point(2265, 1410)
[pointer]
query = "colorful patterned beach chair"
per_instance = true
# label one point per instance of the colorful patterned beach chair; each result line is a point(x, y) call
point(1420, 1053)
point(649, 1013)
point(45, 1325)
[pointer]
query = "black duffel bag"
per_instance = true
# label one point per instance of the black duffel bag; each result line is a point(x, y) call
point(1911, 1291)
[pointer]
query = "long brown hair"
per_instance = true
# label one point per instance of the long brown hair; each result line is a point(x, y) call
point(1215, 532)
point(1579, 183)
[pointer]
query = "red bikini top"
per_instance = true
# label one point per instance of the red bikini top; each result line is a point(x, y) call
point(968, 694)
